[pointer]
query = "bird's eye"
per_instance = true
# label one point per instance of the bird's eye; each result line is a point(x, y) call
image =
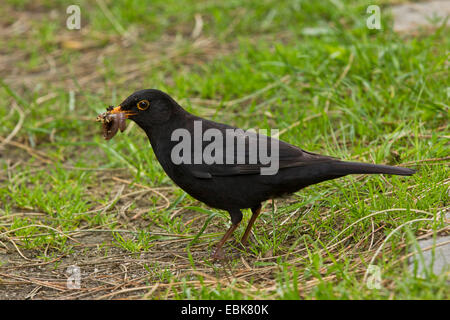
point(143, 104)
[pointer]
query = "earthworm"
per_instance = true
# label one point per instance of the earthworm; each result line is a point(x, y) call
point(111, 123)
point(121, 120)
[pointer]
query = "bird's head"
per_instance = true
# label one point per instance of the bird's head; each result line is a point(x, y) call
point(147, 107)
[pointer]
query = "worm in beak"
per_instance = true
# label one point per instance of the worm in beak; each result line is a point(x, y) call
point(112, 120)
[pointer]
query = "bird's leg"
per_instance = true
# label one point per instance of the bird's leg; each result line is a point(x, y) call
point(255, 213)
point(218, 253)
point(236, 217)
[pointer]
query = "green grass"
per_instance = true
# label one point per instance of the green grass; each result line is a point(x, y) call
point(308, 68)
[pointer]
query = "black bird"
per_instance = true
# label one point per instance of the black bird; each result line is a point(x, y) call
point(231, 185)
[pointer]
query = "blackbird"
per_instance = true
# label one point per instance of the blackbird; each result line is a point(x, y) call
point(233, 179)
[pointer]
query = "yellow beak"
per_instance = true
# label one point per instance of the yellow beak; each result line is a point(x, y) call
point(117, 110)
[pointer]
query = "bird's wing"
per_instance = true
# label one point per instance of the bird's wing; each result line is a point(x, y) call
point(288, 156)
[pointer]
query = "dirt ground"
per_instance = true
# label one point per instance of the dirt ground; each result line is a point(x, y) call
point(104, 273)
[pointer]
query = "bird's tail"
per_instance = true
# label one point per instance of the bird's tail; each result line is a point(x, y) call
point(344, 168)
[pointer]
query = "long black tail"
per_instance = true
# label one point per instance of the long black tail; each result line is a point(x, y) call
point(344, 168)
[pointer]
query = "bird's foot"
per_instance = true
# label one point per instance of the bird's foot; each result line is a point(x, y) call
point(226, 255)
point(218, 255)
point(235, 252)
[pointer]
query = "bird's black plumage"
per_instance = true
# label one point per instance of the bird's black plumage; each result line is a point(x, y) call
point(233, 187)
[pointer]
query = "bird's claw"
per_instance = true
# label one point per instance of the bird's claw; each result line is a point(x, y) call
point(218, 255)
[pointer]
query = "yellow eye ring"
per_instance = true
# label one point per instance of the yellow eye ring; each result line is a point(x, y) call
point(143, 104)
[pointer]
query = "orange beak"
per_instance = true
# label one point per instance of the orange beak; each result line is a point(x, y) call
point(118, 109)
